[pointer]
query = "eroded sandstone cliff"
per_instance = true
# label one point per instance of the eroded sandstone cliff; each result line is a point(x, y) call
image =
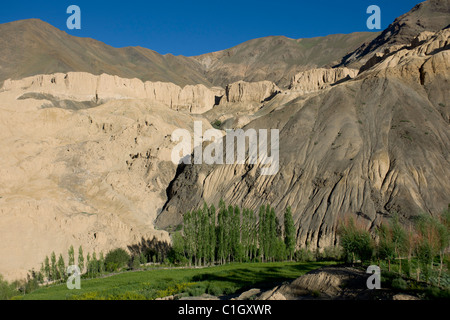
point(81, 86)
point(318, 79)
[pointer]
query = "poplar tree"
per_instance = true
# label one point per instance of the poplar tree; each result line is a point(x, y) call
point(189, 236)
point(289, 233)
point(221, 233)
point(433, 234)
point(54, 267)
point(385, 247)
point(198, 236)
point(272, 232)
point(253, 235)
point(101, 263)
point(235, 228)
point(80, 259)
point(142, 258)
point(444, 238)
point(41, 273)
point(71, 256)
point(61, 267)
point(280, 249)
point(88, 264)
point(263, 248)
point(195, 236)
point(47, 270)
point(212, 233)
point(178, 246)
point(206, 234)
point(245, 233)
point(229, 232)
point(94, 264)
point(399, 239)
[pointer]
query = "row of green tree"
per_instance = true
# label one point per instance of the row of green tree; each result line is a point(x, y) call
point(231, 234)
point(92, 265)
point(228, 234)
point(420, 248)
point(53, 269)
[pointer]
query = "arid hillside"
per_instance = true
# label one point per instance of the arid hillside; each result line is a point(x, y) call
point(33, 47)
point(86, 133)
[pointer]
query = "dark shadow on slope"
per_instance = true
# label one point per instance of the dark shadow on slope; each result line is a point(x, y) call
point(59, 103)
point(151, 248)
point(246, 278)
point(271, 96)
point(169, 190)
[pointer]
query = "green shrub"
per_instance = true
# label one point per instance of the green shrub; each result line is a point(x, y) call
point(436, 293)
point(136, 264)
point(6, 290)
point(407, 266)
point(400, 284)
point(230, 290)
point(112, 266)
point(195, 291)
point(116, 259)
point(315, 293)
point(173, 290)
point(331, 254)
point(95, 295)
point(214, 290)
point(216, 124)
point(31, 285)
point(356, 242)
point(143, 258)
point(304, 255)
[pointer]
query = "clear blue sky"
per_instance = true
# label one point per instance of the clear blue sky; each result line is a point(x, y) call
point(192, 27)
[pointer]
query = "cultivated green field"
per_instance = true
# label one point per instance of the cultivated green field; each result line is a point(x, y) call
point(151, 284)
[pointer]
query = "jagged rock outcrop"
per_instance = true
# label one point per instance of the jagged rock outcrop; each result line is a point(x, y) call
point(417, 62)
point(242, 91)
point(431, 15)
point(421, 38)
point(81, 86)
point(321, 78)
point(375, 59)
point(398, 51)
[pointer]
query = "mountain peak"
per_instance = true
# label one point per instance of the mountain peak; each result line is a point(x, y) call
point(431, 15)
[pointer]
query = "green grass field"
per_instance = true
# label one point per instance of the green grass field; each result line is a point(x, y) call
point(151, 284)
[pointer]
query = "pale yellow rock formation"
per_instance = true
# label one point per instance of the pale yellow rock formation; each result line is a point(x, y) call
point(321, 78)
point(242, 91)
point(81, 86)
